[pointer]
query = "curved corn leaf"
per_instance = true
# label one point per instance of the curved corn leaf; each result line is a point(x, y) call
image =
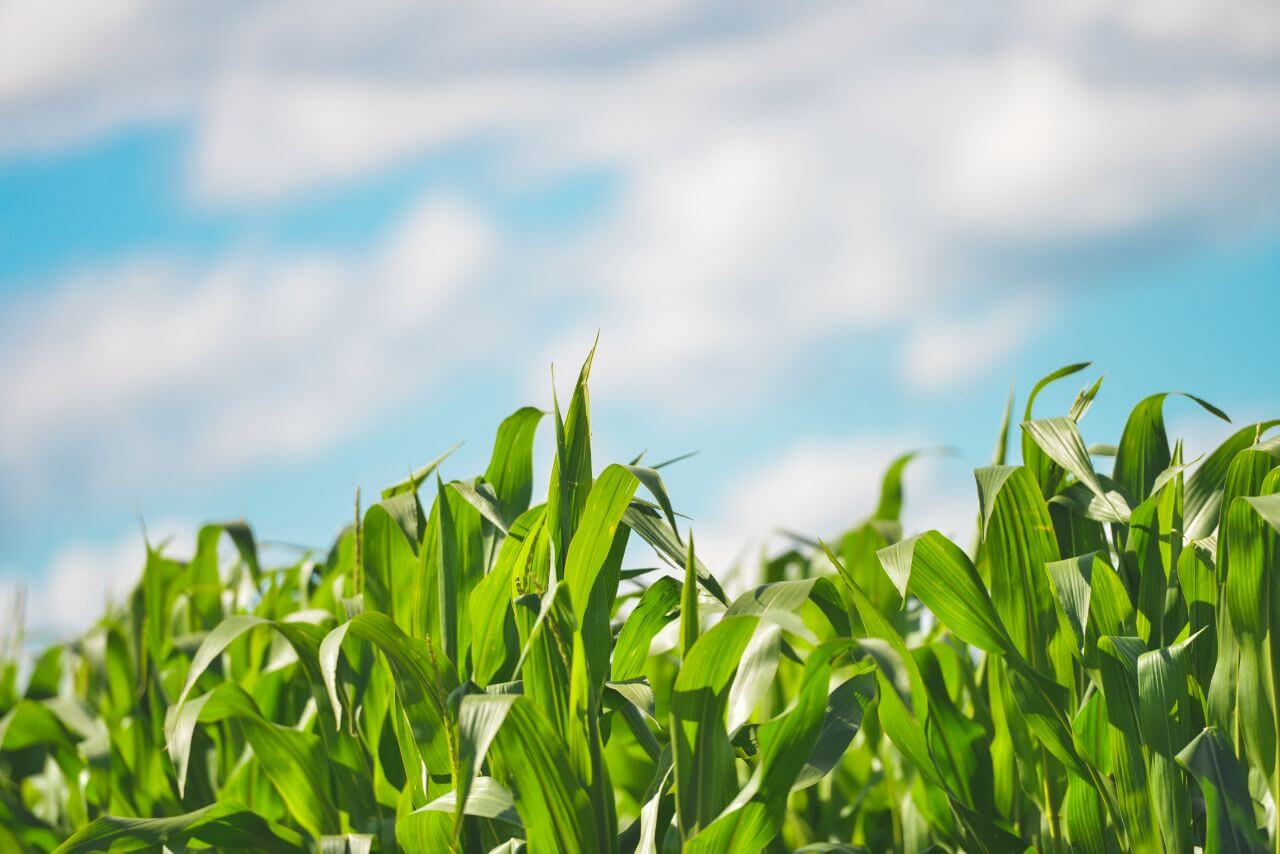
point(1059, 439)
point(1032, 456)
point(510, 468)
point(701, 754)
point(1205, 485)
point(1143, 452)
point(530, 763)
point(1228, 810)
point(754, 816)
point(657, 607)
point(224, 824)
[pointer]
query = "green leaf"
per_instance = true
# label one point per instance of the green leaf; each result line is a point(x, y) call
point(847, 705)
point(775, 605)
point(486, 799)
point(510, 470)
point(1205, 485)
point(224, 824)
point(595, 541)
point(547, 633)
point(701, 753)
point(495, 643)
point(1224, 783)
point(1019, 543)
point(422, 682)
point(689, 603)
point(530, 762)
point(1253, 598)
point(479, 718)
point(571, 471)
point(755, 815)
point(483, 498)
point(295, 761)
point(1162, 689)
point(655, 531)
point(938, 572)
point(1034, 458)
point(205, 583)
point(1060, 440)
point(391, 568)
point(657, 607)
point(890, 503)
point(1144, 446)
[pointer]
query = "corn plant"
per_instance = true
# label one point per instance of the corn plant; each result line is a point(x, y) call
point(468, 670)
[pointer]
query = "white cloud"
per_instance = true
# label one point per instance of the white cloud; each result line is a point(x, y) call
point(944, 351)
point(82, 577)
point(161, 367)
point(1250, 28)
point(821, 486)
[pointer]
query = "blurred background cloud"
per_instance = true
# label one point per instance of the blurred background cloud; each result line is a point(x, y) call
point(252, 254)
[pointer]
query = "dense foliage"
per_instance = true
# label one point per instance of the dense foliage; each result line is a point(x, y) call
point(463, 670)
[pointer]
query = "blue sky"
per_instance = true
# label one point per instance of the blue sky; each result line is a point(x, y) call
point(266, 253)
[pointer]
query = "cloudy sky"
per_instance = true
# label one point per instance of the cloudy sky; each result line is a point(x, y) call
point(253, 254)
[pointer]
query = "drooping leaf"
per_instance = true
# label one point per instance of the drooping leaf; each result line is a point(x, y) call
point(1224, 783)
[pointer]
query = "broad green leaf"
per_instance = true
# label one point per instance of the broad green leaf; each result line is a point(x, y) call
point(224, 824)
point(754, 817)
point(1072, 582)
point(596, 540)
point(1032, 456)
point(423, 680)
point(1019, 544)
point(530, 762)
point(483, 498)
point(1198, 582)
point(701, 754)
point(510, 468)
point(571, 471)
point(1253, 598)
point(657, 607)
point(1233, 676)
point(495, 643)
point(1060, 440)
point(486, 799)
point(1161, 690)
point(206, 584)
point(847, 705)
point(890, 504)
point(938, 572)
point(1144, 446)
point(897, 667)
point(959, 745)
point(1205, 485)
point(546, 633)
point(391, 568)
point(1223, 781)
point(774, 604)
point(479, 718)
point(294, 760)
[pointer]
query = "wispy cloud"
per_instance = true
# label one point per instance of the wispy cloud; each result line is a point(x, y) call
point(821, 486)
point(83, 577)
point(942, 351)
point(156, 367)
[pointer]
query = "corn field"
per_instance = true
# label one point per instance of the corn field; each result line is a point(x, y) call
point(471, 669)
